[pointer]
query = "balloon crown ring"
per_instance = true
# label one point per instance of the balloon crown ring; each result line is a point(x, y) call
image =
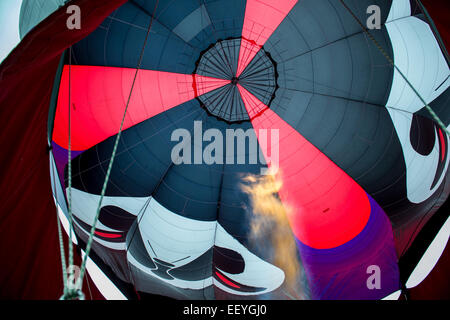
point(249, 68)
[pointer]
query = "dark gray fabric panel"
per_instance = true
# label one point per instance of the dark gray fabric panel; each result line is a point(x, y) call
point(119, 39)
point(441, 106)
point(143, 155)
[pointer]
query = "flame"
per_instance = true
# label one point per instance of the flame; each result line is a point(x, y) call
point(270, 221)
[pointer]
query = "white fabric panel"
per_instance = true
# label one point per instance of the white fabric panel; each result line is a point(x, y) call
point(174, 237)
point(179, 240)
point(60, 200)
point(179, 283)
point(418, 56)
point(393, 296)
point(102, 282)
point(9, 24)
point(399, 9)
point(35, 11)
point(193, 24)
point(430, 257)
point(420, 170)
point(65, 223)
point(257, 272)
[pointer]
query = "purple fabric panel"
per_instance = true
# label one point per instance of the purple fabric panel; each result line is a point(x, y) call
point(341, 273)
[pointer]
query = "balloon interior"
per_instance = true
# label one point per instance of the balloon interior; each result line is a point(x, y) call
point(261, 149)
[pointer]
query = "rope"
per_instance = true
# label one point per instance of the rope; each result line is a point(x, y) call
point(70, 292)
point(61, 241)
point(69, 168)
point(388, 58)
point(63, 256)
point(116, 143)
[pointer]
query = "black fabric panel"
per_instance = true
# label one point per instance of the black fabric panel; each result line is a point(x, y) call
point(198, 191)
point(443, 153)
point(115, 259)
point(440, 107)
point(223, 19)
point(192, 190)
point(228, 260)
point(351, 68)
point(198, 269)
point(137, 249)
point(118, 41)
point(116, 218)
point(143, 155)
point(422, 135)
point(314, 24)
point(409, 217)
point(145, 284)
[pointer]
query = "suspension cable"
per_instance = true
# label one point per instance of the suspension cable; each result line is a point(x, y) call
point(68, 291)
point(111, 162)
point(69, 167)
point(60, 237)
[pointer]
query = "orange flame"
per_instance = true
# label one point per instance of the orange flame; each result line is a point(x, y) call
point(270, 220)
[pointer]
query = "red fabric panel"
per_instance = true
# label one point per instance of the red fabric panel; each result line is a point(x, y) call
point(328, 207)
point(29, 253)
point(261, 19)
point(99, 96)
